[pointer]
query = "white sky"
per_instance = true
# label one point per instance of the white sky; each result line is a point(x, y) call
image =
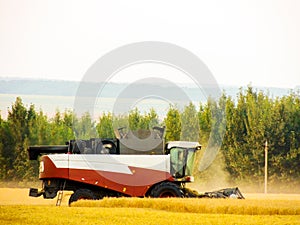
point(242, 42)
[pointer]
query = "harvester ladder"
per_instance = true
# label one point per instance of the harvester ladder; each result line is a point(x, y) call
point(60, 194)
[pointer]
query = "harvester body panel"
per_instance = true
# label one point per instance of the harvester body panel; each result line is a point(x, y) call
point(131, 175)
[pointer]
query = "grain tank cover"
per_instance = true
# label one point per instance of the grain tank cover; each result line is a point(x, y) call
point(148, 142)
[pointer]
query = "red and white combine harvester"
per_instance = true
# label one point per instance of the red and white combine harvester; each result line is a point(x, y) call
point(124, 166)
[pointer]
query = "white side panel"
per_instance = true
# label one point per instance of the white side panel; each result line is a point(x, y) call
point(112, 163)
point(60, 160)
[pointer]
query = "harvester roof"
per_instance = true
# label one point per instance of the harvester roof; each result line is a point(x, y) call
point(183, 144)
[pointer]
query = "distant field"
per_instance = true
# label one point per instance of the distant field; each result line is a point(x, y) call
point(17, 208)
point(50, 104)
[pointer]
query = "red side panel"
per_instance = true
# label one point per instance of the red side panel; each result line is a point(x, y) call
point(49, 170)
point(135, 184)
point(129, 180)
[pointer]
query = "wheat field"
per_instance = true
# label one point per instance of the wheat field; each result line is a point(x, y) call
point(17, 208)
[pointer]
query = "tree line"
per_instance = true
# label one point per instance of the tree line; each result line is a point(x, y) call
point(239, 125)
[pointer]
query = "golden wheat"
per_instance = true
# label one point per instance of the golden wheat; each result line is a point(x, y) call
point(256, 209)
point(51, 215)
point(215, 206)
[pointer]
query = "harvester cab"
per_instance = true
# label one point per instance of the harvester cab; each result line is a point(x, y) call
point(182, 157)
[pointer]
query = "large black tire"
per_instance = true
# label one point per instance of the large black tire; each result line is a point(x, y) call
point(166, 190)
point(82, 194)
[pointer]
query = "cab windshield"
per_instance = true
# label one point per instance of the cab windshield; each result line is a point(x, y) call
point(182, 161)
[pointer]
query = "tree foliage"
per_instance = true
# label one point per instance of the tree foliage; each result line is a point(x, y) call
point(189, 123)
point(173, 124)
point(105, 126)
point(254, 119)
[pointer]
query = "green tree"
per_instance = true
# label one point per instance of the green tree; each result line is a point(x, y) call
point(18, 120)
point(245, 135)
point(149, 120)
point(2, 154)
point(189, 123)
point(152, 118)
point(68, 119)
point(134, 119)
point(204, 118)
point(284, 139)
point(173, 124)
point(7, 151)
point(105, 126)
point(42, 130)
point(85, 128)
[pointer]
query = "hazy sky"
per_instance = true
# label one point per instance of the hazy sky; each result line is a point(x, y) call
point(241, 42)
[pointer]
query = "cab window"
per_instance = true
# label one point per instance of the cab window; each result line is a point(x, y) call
point(177, 162)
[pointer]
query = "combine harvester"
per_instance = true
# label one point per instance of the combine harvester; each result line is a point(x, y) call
point(125, 166)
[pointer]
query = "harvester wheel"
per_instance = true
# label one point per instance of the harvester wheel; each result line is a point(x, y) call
point(166, 190)
point(82, 194)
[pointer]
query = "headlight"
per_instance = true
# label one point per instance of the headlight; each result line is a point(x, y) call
point(41, 167)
